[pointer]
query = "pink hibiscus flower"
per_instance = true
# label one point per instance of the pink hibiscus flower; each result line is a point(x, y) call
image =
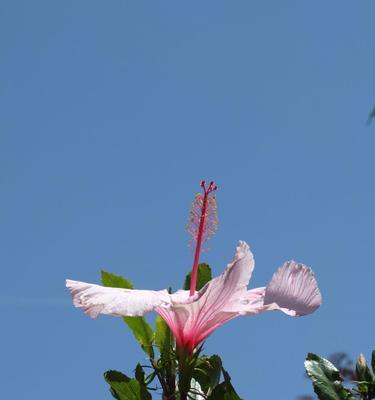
point(193, 315)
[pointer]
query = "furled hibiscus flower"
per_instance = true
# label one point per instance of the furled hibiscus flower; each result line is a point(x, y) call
point(193, 315)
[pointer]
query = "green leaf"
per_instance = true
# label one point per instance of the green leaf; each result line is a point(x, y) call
point(165, 342)
point(371, 116)
point(112, 280)
point(371, 389)
point(204, 275)
point(150, 378)
point(139, 374)
point(143, 332)
point(326, 379)
point(214, 370)
point(124, 388)
point(366, 389)
point(163, 337)
point(114, 394)
point(224, 391)
point(208, 372)
point(362, 388)
point(362, 371)
point(373, 361)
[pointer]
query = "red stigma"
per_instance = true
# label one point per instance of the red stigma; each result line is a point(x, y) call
point(202, 224)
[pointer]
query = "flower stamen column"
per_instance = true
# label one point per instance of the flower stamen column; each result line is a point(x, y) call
point(203, 224)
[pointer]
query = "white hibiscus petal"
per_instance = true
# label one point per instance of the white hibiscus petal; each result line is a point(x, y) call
point(293, 289)
point(232, 282)
point(251, 303)
point(95, 299)
point(193, 318)
point(238, 273)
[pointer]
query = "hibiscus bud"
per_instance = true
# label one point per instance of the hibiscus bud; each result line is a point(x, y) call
point(362, 370)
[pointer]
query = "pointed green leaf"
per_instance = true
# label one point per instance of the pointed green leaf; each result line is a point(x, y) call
point(373, 361)
point(214, 370)
point(362, 371)
point(366, 389)
point(326, 379)
point(224, 391)
point(163, 338)
point(371, 389)
point(204, 275)
point(112, 280)
point(114, 394)
point(139, 374)
point(143, 332)
point(124, 388)
point(371, 116)
point(163, 335)
point(208, 372)
point(165, 342)
point(150, 378)
point(230, 392)
point(362, 388)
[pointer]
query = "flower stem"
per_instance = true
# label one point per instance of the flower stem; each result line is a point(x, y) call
point(184, 374)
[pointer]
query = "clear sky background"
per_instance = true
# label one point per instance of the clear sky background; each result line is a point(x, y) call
point(113, 111)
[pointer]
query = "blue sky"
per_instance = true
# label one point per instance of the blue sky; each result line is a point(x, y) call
point(111, 114)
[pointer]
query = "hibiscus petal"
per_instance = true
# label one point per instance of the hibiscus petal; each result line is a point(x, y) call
point(251, 303)
point(238, 273)
point(217, 297)
point(96, 299)
point(294, 290)
point(193, 318)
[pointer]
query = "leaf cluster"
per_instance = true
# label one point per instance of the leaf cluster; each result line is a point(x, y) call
point(328, 382)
